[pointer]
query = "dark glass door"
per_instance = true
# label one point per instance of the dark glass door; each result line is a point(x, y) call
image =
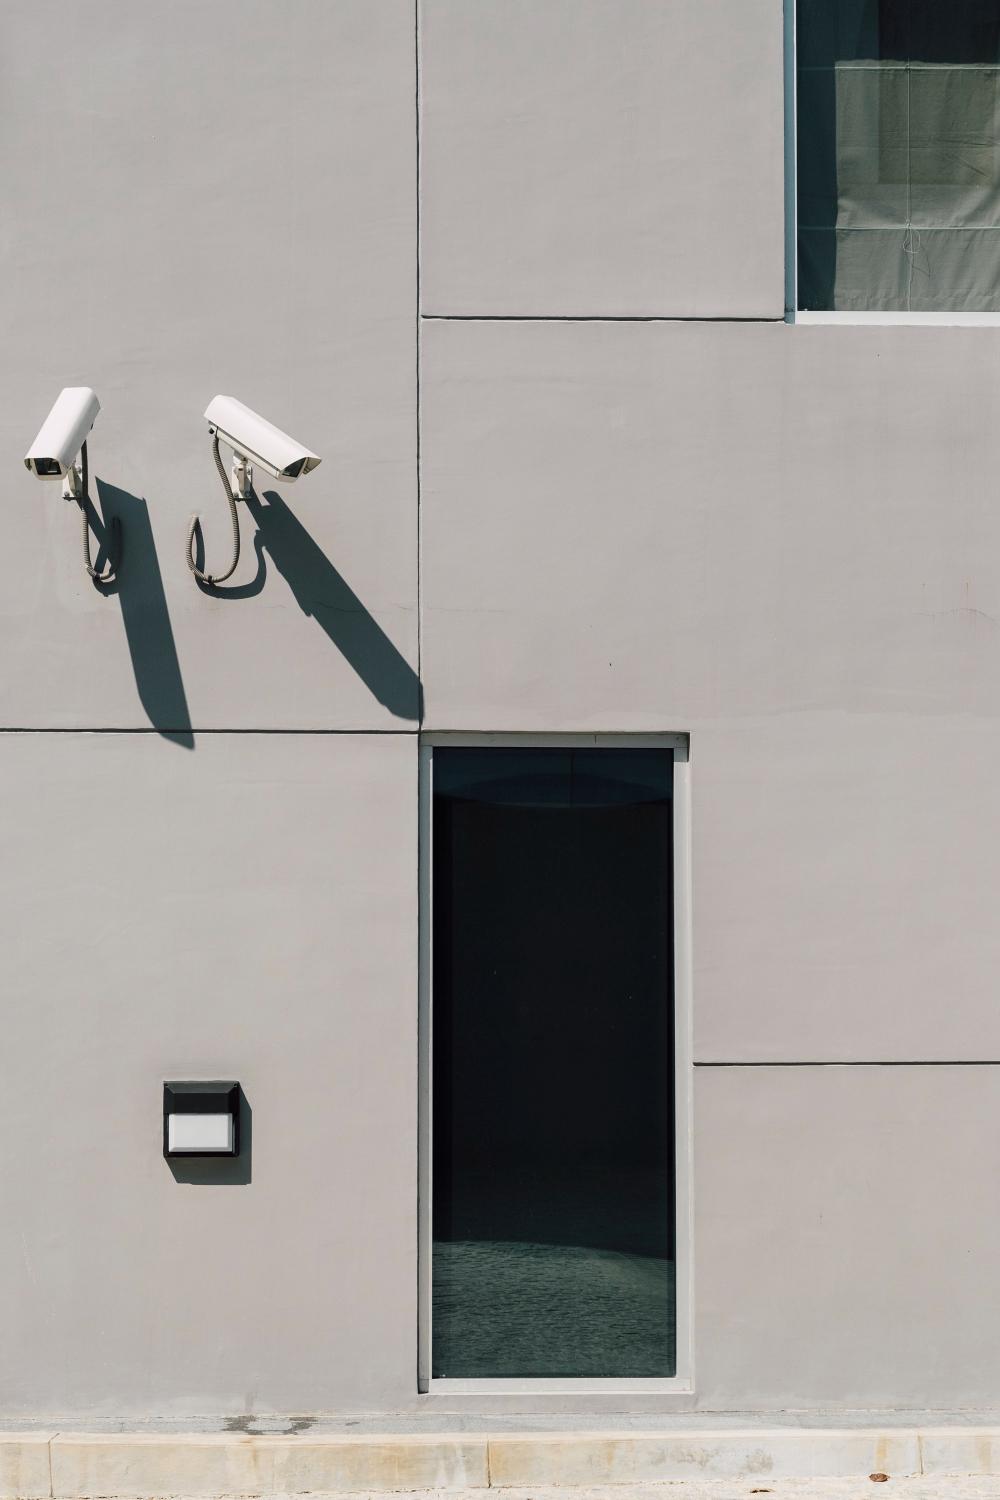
point(553, 1076)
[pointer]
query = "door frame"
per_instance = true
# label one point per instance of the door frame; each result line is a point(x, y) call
point(682, 1383)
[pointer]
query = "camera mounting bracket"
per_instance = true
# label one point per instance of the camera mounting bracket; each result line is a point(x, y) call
point(241, 476)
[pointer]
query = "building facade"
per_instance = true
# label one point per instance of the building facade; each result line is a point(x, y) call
point(594, 483)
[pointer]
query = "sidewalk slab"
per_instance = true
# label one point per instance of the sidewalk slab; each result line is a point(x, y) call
point(968, 1450)
point(214, 1465)
point(649, 1458)
point(24, 1465)
point(45, 1465)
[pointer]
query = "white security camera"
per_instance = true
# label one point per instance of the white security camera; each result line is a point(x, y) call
point(54, 453)
point(258, 440)
point(254, 440)
point(60, 452)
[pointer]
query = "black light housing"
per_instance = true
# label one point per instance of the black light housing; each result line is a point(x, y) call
point(201, 1119)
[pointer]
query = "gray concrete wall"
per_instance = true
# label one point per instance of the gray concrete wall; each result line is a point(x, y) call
point(245, 911)
point(220, 198)
point(205, 198)
point(781, 540)
point(602, 158)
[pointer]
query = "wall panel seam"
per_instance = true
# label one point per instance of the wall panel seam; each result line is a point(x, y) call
point(862, 1062)
point(418, 321)
point(595, 318)
point(195, 730)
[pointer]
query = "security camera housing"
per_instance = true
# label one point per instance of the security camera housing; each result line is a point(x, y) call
point(252, 437)
point(63, 433)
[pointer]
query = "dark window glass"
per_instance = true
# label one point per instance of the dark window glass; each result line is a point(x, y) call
point(553, 1089)
point(899, 155)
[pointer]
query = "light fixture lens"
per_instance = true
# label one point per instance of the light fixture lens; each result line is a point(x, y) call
point(200, 1133)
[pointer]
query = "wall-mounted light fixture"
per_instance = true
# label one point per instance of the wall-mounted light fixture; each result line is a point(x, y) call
point(60, 452)
point(201, 1119)
point(253, 440)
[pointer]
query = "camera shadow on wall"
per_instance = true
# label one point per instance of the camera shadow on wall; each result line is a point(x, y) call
point(321, 592)
point(324, 595)
point(145, 615)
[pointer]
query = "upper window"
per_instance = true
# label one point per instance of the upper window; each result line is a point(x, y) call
point(898, 124)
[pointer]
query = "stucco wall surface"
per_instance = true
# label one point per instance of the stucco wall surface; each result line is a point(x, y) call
point(635, 527)
point(247, 911)
point(217, 198)
point(845, 1238)
point(204, 198)
point(779, 540)
point(602, 158)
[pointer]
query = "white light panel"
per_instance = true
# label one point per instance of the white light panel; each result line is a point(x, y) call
point(200, 1132)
